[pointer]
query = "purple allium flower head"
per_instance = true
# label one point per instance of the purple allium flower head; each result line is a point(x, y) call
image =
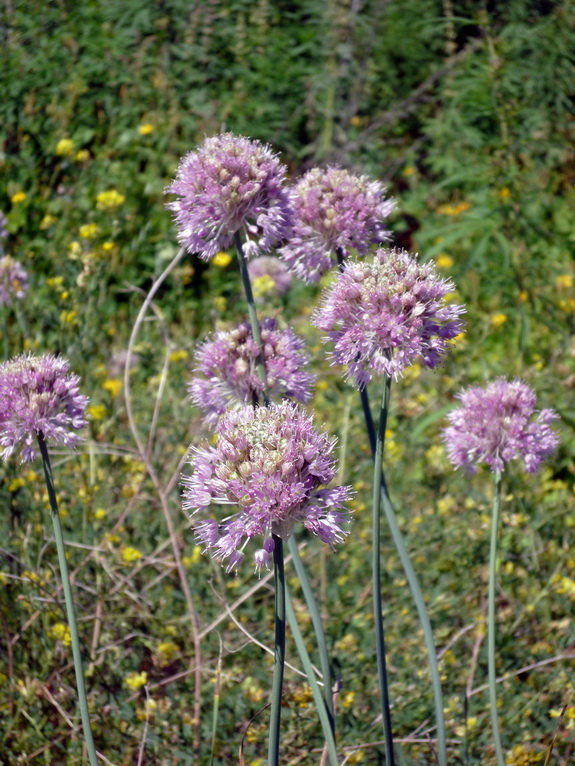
point(3, 229)
point(13, 280)
point(333, 209)
point(230, 184)
point(269, 274)
point(494, 425)
point(37, 393)
point(384, 312)
point(272, 463)
point(227, 364)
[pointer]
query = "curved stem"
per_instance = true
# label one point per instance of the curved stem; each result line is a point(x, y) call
point(324, 715)
point(491, 623)
point(279, 654)
point(71, 614)
point(317, 626)
point(376, 572)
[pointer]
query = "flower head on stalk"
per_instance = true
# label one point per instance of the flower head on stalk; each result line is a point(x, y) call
point(271, 463)
point(227, 364)
point(334, 210)
point(495, 425)
point(38, 394)
point(385, 312)
point(230, 184)
point(13, 280)
point(269, 275)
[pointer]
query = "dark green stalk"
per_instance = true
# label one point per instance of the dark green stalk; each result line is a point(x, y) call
point(317, 626)
point(252, 313)
point(324, 716)
point(491, 623)
point(279, 653)
point(88, 738)
point(376, 571)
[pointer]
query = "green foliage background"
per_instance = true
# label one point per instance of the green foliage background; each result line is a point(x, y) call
point(466, 111)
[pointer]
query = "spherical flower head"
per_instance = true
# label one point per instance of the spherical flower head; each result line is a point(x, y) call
point(13, 280)
point(230, 184)
point(274, 466)
point(385, 312)
point(227, 368)
point(333, 209)
point(38, 394)
point(495, 425)
point(269, 275)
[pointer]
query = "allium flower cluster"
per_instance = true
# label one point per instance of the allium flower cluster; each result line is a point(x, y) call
point(13, 280)
point(269, 275)
point(227, 364)
point(333, 209)
point(385, 312)
point(494, 425)
point(272, 463)
point(38, 394)
point(230, 183)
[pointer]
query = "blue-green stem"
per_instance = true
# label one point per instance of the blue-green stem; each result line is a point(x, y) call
point(317, 626)
point(324, 716)
point(252, 314)
point(419, 604)
point(376, 573)
point(491, 623)
point(279, 652)
point(76, 653)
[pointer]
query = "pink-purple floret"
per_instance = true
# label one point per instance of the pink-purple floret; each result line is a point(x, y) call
point(274, 465)
point(385, 312)
point(230, 184)
point(13, 280)
point(495, 425)
point(38, 394)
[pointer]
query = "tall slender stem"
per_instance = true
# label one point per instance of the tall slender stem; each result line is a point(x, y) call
point(491, 623)
point(76, 653)
point(279, 653)
point(317, 626)
point(376, 572)
point(252, 314)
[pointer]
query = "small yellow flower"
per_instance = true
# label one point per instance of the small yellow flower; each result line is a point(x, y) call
point(47, 221)
point(222, 259)
point(145, 129)
point(97, 411)
point(167, 651)
point(135, 681)
point(65, 147)
point(60, 632)
point(179, 356)
point(220, 303)
point(69, 317)
point(263, 285)
point(107, 200)
point(83, 155)
point(356, 120)
point(108, 246)
point(564, 281)
point(504, 193)
point(523, 296)
point(113, 385)
point(100, 513)
point(88, 230)
point(18, 197)
point(409, 170)
point(347, 699)
point(444, 261)
point(497, 320)
point(129, 555)
point(16, 484)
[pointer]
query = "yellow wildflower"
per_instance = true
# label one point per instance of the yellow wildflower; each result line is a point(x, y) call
point(47, 221)
point(356, 120)
point(409, 170)
point(167, 650)
point(497, 320)
point(135, 681)
point(60, 632)
point(189, 561)
point(113, 385)
point(97, 411)
point(222, 259)
point(18, 197)
point(444, 261)
point(64, 147)
point(179, 356)
point(83, 155)
point(220, 303)
point(129, 555)
point(88, 230)
point(523, 296)
point(145, 129)
point(100, 513)
point(108, 246)
point(504, 193)
point(347, 699)
point(263, 285)
point(108, 200)
point(74, 250)
point(16, 484)
point(69, 317)
point(564, 281)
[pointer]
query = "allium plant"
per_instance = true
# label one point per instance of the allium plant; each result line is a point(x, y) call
point(385, 312)
point(334, 210)
point(496, 424)
point(13, 280)
point(227, 364)
point(38, 395)
point(229, 185)
point(273, 465)
point(269, 275)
